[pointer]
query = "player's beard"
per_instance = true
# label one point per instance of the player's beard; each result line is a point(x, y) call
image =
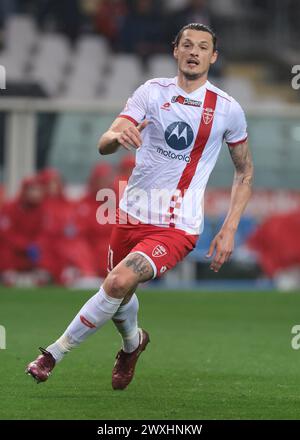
point(192, 76)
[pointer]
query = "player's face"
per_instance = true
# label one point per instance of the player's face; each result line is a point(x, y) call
point(33, 194)
point(195, 53)
point(54, 188)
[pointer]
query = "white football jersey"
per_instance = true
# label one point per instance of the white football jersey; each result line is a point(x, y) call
point(180, 146)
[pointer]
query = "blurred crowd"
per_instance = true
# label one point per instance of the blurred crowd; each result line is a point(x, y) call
point(52, 237)
point(140, 26)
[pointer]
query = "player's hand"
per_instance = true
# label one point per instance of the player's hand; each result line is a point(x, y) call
point(221, 248)
point(131, 136)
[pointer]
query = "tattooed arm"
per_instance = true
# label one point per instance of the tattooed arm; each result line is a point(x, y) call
point(223, 243)
point(242, 183)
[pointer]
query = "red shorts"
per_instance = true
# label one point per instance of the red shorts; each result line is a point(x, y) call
point(163, 247)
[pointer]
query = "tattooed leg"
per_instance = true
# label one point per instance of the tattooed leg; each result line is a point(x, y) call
point(122, 281)
point(140, 266)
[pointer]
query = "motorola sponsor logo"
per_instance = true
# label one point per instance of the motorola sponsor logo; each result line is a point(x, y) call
point(179, 135)
point(167, 153)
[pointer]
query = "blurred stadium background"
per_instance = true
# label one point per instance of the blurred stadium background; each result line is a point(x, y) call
point(70, 66)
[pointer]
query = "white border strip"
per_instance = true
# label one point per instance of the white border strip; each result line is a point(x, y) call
point(149, 259)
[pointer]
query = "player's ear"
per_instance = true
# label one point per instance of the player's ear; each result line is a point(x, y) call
point(175, 52)
point(214, 57)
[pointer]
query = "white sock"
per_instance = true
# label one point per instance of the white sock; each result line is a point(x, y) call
point(93, 315)
point(125, 319)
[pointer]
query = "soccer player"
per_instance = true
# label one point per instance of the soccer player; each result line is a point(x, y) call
point(177, 126)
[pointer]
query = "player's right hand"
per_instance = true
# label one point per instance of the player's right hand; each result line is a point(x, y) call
point(131, 136)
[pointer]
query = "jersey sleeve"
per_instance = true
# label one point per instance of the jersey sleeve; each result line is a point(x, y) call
point(236, 132)
point(136, 106)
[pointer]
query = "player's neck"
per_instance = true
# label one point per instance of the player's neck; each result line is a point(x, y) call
point(188, 85)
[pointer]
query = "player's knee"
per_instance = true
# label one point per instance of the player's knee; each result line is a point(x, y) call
point(117, 284)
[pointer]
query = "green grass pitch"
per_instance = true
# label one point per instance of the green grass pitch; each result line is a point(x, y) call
point(211, 356)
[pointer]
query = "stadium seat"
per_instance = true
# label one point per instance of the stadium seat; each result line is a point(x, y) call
point(87, 65)
point(118, 92)
point(80, 87)
point(226, 8)
point(14, 65)
point(241, 88)
point(20, 34)
point(174, 5)
point(162, 66)
point(48, 73)
point(81, 68)
point(91, 48)
point(119, 86)
point(53, 47)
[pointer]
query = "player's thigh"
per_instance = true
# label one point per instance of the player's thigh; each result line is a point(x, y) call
point(164, 249)
point(121, 242)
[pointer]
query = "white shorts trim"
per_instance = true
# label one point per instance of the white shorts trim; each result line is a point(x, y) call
point(149, 259)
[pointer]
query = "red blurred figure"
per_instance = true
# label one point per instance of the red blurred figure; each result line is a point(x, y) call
point(277, 243)
point(125, 168)
point(51, 179)
point(20, 224)
point(66, 254)
point(109, 18)
point(97, 235)
point(2, 195)
point(100, 177)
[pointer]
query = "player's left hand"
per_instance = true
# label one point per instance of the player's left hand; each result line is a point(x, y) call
point(222, 245)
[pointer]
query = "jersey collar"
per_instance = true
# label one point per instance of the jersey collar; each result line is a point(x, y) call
point(196, 92)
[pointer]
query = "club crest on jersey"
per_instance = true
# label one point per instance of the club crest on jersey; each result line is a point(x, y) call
point(159, 251)
point(207, 116)
point(179, 135)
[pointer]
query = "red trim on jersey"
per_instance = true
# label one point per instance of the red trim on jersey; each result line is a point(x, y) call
point(200, 143)
point(234, 144)
point(129, 119)
point(162, 85)
point(204, 130)
point(221, 96)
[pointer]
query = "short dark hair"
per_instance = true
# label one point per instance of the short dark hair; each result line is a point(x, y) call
point(196, 27)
